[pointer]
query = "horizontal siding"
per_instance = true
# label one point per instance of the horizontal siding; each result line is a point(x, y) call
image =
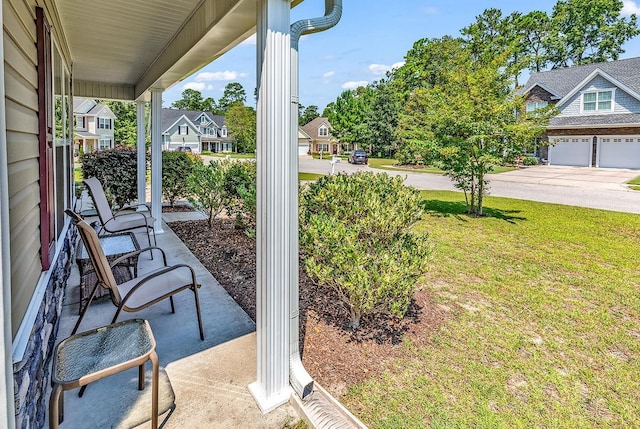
point(22, 148)
point(624, 103)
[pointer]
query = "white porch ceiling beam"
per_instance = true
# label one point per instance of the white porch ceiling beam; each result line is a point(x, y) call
point(101, 90)
point(213, 28)
point(274, 215)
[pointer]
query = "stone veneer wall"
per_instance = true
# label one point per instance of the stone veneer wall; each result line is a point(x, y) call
point(32, 375)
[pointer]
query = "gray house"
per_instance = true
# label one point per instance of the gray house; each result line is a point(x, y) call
point(599, 120)
point(195, 129)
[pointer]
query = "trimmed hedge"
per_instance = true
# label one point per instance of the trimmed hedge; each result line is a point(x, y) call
point(117, 170)
point(176, 168)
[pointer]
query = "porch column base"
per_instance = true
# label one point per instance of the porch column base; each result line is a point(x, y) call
point(268, 403)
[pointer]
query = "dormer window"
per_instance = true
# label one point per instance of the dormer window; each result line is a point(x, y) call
point(323, 131)
point(532, 106)
point(597, 101)
point(203, 119)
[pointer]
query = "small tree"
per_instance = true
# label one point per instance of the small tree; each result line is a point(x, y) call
point(240, 191)
point(176, 167)
point(205, 186)
point(355, 232)
point(117, 170)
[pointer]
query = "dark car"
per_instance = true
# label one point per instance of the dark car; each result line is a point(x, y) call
point(183, 149)
point(358, 157)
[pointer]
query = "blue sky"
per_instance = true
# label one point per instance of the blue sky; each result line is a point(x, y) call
point(372, 36)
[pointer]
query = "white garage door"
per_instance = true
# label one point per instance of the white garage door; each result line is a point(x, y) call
point(575, 151)
point(620, 152)
point(302, 149)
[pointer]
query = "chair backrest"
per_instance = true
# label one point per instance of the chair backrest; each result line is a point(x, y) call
point(96, 255)
point(96, 190)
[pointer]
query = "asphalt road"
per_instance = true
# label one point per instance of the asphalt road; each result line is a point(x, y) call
point(582, 193)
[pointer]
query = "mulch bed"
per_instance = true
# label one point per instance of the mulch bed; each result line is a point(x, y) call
point(333, 353)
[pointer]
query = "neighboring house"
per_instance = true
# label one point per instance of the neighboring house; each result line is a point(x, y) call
point(599, 120)
point(131, 52)
point(304, 142)
point(320, 138)
point(93, 125)
point(196, 129)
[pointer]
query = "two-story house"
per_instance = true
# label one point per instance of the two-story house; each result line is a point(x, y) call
point(93, 125)
point(317, 133)
point(195, 129)
point(599, 120)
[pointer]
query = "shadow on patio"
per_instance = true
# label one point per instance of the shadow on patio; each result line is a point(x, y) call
point(209, 377)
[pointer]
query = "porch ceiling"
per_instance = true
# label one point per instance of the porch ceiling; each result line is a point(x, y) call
point(126, 47)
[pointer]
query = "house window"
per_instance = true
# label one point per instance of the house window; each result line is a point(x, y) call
point(597, 101)
point(183, 130)
point(80, 122)
point(323, 131)
point(323, 147)
point(535, 105)
point(223, 132)
point(104, 123)
point(104, 144)
point(203, 119)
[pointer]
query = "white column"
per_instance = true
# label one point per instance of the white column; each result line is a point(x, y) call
point(142, 152)
point(7, 405)
point(273, 204)
point(156, 159)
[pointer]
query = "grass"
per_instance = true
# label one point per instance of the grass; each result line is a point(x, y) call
point(230, 155)
point(543, 325)
point(77, 174)
point(309, 176)
point(392, 164)
point(634, 184)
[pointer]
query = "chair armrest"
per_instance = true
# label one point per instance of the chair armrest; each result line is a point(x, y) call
point(138, 252)
point(131, 206)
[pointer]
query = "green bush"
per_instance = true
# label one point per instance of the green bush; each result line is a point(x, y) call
point(529, 160)
point(205, 186)
point(117, 170)
point(355, 233)
point(176, 167)
point(240, 191)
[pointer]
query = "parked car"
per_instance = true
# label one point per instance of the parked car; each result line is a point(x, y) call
point(358, 157)
point(183, 149)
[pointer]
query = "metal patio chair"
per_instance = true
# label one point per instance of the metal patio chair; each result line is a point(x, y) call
point(115, 222)
point(139, 292)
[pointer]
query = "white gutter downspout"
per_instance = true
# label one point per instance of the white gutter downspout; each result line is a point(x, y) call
point(299, 378)
point(7, 404)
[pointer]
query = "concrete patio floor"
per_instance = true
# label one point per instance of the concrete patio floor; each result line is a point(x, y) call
point(209, 378)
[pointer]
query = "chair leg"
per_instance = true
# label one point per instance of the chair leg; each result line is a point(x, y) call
point(141, 377)
point(54, 406)
point(195, 293)
point(173, 308)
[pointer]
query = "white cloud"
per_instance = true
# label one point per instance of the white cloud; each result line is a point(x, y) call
point(430, 10)
point(380, 69)
point(630, 7)
point(328, 74)
point(223, 75)
point(198, 86)
point(354, 85)
point(250, 41)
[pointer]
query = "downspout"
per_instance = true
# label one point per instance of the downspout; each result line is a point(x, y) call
point(7, 401)
point(299, 378)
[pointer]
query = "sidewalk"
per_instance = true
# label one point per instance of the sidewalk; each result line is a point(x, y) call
point(209, 378)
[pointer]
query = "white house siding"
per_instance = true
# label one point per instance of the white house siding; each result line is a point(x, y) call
point(175, 140)
point(619, 151)
point(572, 151)
point(22, 153)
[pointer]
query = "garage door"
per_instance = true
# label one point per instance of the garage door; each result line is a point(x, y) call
point(302, 149)
point(620, 152)
point(574, 151)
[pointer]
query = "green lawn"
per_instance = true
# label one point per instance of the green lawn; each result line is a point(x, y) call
point(309, 176)
point(230, 155)
point(543, 325)
point(634, 183)
point(392, 164)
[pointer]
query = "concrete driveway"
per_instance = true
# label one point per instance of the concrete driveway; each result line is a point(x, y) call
point(578, 177)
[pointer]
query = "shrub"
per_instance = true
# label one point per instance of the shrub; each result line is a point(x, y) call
point(117, 170)
point(355, 233)
point(176, 167)
point(529, 160)
point(205, 186)
point(240, 191)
